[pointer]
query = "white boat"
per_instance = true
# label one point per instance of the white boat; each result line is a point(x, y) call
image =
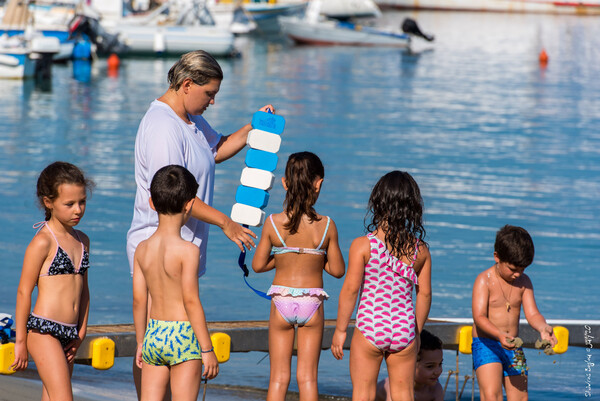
point(45, 19)
point(333, 32)
point(23, 56)
point(263, 14)
point(176, 27)
point(15, 58)
point(314, 28)
point(344, 9)
point(237, 19)
point(584, 7)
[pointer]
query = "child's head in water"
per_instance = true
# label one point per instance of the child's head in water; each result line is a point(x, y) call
point(396, 207)
point(429, 360)
point(49, 187)
point(172, 187)
point(304, 175)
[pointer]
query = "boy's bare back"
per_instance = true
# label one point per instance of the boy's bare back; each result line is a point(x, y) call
point(167, 263)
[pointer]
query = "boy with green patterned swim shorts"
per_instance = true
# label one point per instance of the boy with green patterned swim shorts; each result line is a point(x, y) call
point(173, 339)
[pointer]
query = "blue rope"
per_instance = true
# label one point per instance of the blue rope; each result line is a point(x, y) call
point(242, 265)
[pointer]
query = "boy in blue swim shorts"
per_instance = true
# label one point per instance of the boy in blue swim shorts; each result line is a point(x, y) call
point(173, 339)
point(498, 294)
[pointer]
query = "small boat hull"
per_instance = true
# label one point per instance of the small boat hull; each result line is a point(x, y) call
point(16, 64)
point(175, 40)
point(66, 45)
point(329, 32)
point(585, 7)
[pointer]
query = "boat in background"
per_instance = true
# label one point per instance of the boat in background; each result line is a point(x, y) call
point(316, 29)
point(15, 58)
point(263, 14)
point(175, 27)
point(586, 7)
point(346, 9)
point(17, 17)
point(23, 56)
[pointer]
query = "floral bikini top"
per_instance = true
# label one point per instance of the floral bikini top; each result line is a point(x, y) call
point(278, 250)
point(62, 263)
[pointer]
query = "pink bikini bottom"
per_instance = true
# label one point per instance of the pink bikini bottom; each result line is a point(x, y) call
point(297, 305)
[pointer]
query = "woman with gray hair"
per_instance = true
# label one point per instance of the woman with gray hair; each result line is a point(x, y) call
point(173, 131)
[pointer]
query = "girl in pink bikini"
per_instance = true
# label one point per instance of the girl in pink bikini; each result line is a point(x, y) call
point(383, 268)
point(299, 244)
point(56, 261)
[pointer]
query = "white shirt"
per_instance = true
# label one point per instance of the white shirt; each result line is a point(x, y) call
point(163, 138)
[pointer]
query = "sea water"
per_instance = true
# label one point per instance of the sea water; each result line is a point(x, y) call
point(491, 136)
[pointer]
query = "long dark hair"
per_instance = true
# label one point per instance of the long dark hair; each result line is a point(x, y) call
point(53, 176)
point(396, 207)
point(301, 171)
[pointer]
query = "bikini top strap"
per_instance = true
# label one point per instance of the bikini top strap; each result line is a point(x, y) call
point(325, 233)
point(277, 232)
point(41, 225)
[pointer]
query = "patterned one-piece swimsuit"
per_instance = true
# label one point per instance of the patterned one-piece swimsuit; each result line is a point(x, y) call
point(386, 315)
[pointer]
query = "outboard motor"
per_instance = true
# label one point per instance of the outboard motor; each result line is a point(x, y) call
point(44, 48)
point(106, 43)
point(410, 27)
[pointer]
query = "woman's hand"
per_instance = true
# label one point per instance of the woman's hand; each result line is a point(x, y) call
point(211, 365)
point(337, 344)
point(268, 108)
point(21, 357)
point(242, 236)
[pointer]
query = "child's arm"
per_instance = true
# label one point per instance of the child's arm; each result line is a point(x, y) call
point(479, 304)
point(195, 311)
point(84, 310)
point(140, 305)
point(357, 259)
point(35, 255)
point(533, 315)
point(335, 261)
point(423, 290)
point(263, 261)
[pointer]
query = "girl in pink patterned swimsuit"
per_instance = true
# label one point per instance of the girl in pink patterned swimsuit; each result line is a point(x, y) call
point(383, 268)
point(299, 243)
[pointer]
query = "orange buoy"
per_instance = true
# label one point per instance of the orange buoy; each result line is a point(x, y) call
point(113, 62)
point(543, 57)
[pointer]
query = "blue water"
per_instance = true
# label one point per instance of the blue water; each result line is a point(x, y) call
point(490, 136)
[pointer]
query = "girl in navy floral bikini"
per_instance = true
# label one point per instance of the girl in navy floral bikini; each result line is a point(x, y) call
point(56, 260)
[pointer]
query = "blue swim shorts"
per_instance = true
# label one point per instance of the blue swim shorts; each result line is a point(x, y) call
point(167, 343)
point(486, 351)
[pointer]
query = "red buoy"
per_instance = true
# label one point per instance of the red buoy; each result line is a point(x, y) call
point(113, 62)
point(543, 57)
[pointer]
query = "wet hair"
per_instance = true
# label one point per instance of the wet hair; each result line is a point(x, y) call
point(53, 176)
point(396, 207)
point(171, 188)
point(514, 246)
point(199, 66)
point(429, 341)
point(301, 171)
